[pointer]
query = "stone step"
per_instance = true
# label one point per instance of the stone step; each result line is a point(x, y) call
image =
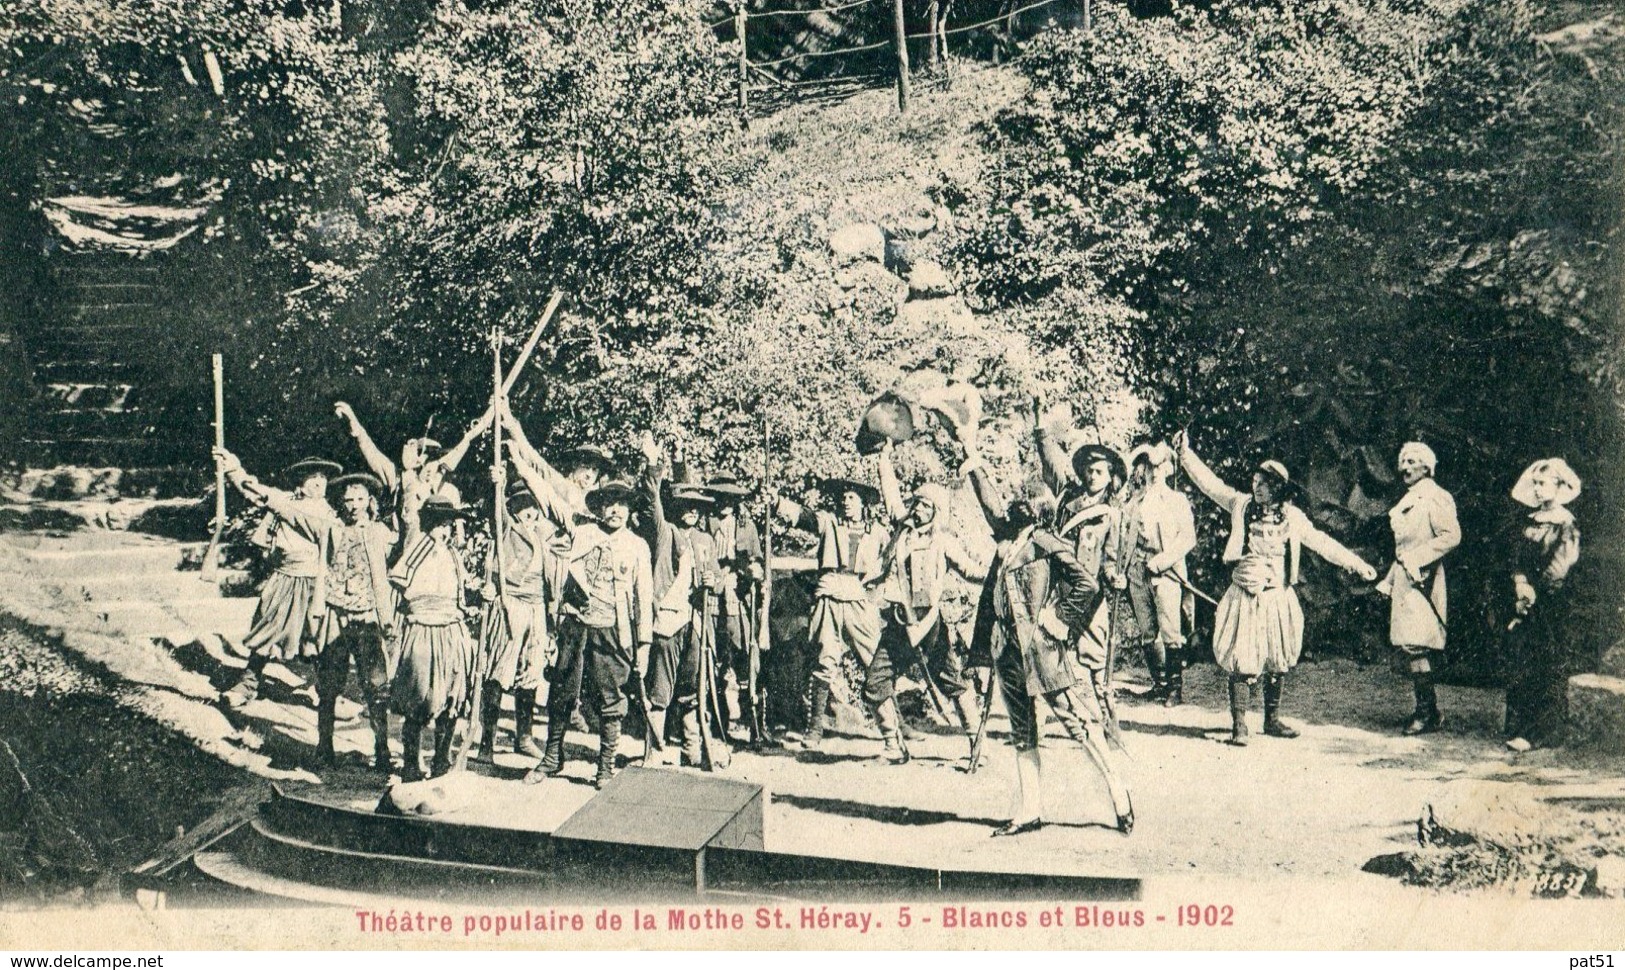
point(110, 559)
point(65, 482)
point(172, 517)
point(160, 587)
point(1597, 712)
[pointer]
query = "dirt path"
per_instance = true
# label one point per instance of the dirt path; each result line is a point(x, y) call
point(1319, 806)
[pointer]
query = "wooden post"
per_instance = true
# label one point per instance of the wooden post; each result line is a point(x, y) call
point(744, 58)
point(211, 556)
point(902, 56)
point(931, 19)
point(1088, 18)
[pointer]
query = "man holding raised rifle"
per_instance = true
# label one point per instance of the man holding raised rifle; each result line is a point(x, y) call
point(298, 534)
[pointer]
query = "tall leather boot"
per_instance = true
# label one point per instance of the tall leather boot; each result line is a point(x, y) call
point(1240, 700)
point(1272, 708)
point(524, 722)
point(378, 716)
point(443, 726)
point(411, 754)
point(490, 710)
point(609, 738)
point(657, 729)
point(326, 721)
point(553, 756)
point(1154, 666)
point(1426, 718)
point(1174, 678)
point(815, 714)
point(895, 749)
point(692, 753)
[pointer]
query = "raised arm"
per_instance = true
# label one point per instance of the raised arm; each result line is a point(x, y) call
point(654, 476)
point(554, 508)
point(961, 561)
point(374, 456)
point(275, 499)
point(1204, 478)
point(1052, 461)
point(521, 448)
point(451, 459)
point(891, 493)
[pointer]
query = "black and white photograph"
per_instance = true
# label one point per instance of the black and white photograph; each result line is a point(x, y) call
point(812, 474)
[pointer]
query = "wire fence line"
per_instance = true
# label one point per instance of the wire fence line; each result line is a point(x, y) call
point(937, 36)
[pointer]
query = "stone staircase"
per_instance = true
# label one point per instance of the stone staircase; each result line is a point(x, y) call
point(93, 360)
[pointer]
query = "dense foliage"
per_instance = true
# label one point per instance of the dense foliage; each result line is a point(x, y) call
point(1333, 228)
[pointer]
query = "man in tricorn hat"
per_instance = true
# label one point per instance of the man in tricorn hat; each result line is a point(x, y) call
point(424, 466)
point(517, 644)
point(362, 605)
point(607, 623)
point(739, 553)
point(845, 615)
point(1086, 482)
point(298, 533)
point(1029, 621)
point(923, 550)
point(686, 578)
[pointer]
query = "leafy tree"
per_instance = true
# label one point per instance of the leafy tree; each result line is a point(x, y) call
point(1330, 228)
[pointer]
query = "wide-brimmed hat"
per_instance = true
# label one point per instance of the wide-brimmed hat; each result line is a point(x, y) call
point(1156, 455)
point(609, 493)
point(439, 508)
point(306, 467)
point(521, 497)
point(889, 417)
point(588, 455)
point(1568, 483)
point(840, 486)
point(726, 490)
point(679, 498)
point(369, 482)
point(1089, 454)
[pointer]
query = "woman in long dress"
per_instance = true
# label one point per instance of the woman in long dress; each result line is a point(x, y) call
point(1544, 546)
point(1258, 633)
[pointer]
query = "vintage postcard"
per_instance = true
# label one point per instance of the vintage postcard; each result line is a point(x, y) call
point(791, 474)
